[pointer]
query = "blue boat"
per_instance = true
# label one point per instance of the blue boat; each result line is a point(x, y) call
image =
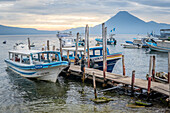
point(41, 65)
point(96, 57)
point(162, 46)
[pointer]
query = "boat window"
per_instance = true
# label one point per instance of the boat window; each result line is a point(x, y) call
point(97, 52)
point(25, 59)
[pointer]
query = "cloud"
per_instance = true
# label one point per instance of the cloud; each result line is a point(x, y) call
point(78, 12)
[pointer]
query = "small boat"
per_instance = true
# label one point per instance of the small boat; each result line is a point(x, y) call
point(41, 65)
point(4, 42)
point(20, 46)
point(159, 45)
point(131, 45)
point(110, 41)
point(32, 45)
point(96, 57)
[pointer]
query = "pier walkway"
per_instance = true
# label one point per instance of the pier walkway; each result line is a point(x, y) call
point(112, 78)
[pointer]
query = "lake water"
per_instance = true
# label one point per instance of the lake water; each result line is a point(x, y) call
point(18, 94)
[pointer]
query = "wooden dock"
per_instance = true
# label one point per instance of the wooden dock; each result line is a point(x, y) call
point(117, 78)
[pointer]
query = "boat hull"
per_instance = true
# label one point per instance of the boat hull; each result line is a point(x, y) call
point(154, 47)
point(47, 74)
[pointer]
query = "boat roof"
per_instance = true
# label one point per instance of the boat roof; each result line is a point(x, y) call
point(82, 48)
point(29, 52)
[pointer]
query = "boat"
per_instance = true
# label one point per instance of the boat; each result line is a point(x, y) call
point(4, 42)
point(159, 45)
point(20, 46)
point(96, 57)
point(69, 41)
point(110, 41)
point(131, 45)
point(37, 64)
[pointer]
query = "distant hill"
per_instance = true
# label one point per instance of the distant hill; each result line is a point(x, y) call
point(5, 30)
point(125, 23)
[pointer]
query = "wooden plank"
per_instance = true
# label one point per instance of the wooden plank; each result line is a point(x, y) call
point(158, 87)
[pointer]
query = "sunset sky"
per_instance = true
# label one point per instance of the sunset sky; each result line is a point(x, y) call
point(66, 14)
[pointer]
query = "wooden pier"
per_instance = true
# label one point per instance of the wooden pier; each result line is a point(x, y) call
point(116, 78)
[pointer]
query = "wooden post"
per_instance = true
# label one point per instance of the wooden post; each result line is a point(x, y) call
point(60, 40)
point(85, 41)
point(153, 69)
point(77, 39)
point(29, 47)
point(104, 30)
point(169, 74)
point(88, 51)
point(48, 48)
point(94, 85)
point(68, 54)
point(123, 64)
point(150, 73)
point(132, 83)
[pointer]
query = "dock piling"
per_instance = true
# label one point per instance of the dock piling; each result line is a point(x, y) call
point(150, 73)
point(60, 40)
point(88, 51)
point(48, 45)
point(132, 83)
point(104, 32)
point(76, 48)
point(94, 85)
point(123, 64)
point(169, 68)
point(29, 47)
point(169, 74)
point(153, 69)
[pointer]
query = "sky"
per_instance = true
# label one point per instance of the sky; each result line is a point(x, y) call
point(66, 14)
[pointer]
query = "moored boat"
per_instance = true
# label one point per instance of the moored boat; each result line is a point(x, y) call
point(41, 65)
point(96, 57)
point(159, 45)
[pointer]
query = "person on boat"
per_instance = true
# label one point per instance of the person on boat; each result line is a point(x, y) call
point(17, 59)
point(76, 61)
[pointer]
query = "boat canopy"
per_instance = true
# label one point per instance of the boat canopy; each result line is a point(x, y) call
point(30, 52)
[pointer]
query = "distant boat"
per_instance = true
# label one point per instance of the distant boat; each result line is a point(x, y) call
point(159, 45)
point(110, 41)
point(32, 45)
point(129, 45)
point(20, 46)
point(4, 42)
point(41, 65)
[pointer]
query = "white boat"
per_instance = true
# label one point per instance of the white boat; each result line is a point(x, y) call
point(128, 45)
point(68, 42)
point(42, 65)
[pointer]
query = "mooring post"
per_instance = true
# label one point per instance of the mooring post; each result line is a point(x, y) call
point(60, 40)
point(169, 69)
point(123, 64)
point(169, 74)
point(94, 85)
point(29, 47)
point(150, 73)
point(77, 39)
point(88, 51)
point(132, 83)
point(85, 40)
point(48, 45)
point(104, 32)
point(153, 69)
